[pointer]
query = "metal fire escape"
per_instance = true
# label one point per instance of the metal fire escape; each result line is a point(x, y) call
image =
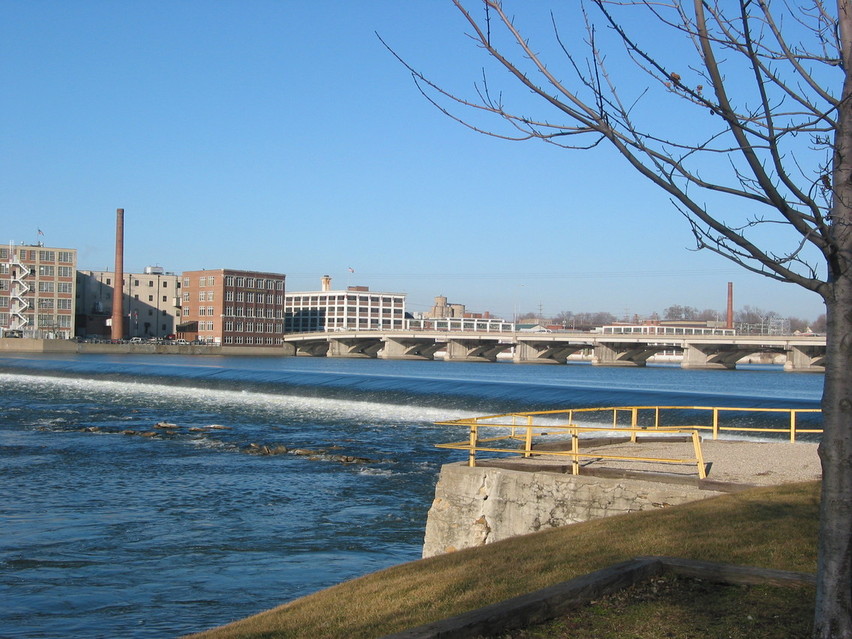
point(18, 321)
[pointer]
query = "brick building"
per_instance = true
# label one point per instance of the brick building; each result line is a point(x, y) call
point(231, 307)
point(37, 287)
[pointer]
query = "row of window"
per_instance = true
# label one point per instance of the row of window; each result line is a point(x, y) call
point(323, 300)
point(252, 327)
point(64, 304)
point(163, 283)
point(239, 339)
point(239, 311)
point(239, 281)
point(55, 287)
point(353, 311)
point(43, 256)
point(250, 282)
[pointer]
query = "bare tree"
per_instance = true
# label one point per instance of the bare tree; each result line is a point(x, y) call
point(762, 173)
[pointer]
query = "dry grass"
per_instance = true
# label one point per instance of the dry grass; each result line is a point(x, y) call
point(767, 527)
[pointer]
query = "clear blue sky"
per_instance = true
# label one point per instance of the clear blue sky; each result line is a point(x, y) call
point(282, 136)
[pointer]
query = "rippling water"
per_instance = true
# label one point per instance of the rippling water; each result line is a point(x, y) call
point(114, 528)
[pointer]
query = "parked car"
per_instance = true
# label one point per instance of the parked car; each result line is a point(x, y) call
point(136, 340)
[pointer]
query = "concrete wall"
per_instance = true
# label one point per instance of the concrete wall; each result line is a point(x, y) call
point(477, 506)
point(8, 345)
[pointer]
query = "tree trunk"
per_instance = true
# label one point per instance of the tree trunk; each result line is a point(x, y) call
point(833, 613)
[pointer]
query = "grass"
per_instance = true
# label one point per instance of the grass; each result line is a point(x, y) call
point(767, 527)
point(671, 607)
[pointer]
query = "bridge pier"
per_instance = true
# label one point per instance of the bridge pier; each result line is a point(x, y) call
point(356, 347)
point(529, 352)
point(474, 350)
point(805, 359)
point(712, 357)
point(410, 348)
point(624, 353)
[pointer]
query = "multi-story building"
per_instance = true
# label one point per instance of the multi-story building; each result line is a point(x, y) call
point(356, 308)
point(230, 307)
point(454, 317)
point(37, 291)
point(150, 308)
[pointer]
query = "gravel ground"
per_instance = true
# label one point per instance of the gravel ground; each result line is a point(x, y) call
point(732, 461)
point(755, 463)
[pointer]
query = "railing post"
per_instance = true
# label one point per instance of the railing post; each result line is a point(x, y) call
point(575, 450)
point(528, 447)
point(634, 423)
point(792, 426)
point(474, 436)
point(715, 423)
point(656, 417)
point(699, 456)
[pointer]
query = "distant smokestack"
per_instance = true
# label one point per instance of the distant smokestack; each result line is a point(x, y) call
point(326, 283)
point(730, 318)
point(118, 286)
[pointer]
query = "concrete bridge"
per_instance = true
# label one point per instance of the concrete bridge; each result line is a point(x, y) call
point(802, 353)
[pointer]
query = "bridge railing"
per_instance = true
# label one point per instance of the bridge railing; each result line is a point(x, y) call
point(515, 433)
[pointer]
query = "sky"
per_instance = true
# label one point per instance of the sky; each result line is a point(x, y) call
point(283, 136)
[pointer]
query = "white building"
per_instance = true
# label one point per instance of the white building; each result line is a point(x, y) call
point(355, 308)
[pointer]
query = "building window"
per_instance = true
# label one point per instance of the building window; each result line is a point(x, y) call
point(65, 271)
point(65, 256)
point(229, 280)
point(46, 256)
point(46, 271)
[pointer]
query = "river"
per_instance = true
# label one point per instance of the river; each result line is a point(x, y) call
point(112, 527)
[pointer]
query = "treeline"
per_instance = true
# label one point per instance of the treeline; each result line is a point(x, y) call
point(748, 319)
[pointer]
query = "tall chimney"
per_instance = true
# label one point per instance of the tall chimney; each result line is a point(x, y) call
point(326, 283)
point(118, 285)
point(730, 318)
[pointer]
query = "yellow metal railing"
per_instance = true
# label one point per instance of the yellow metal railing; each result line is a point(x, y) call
point(630, 420)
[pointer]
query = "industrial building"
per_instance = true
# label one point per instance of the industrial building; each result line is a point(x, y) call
point(232, 307)
point(37, 288)
point(150, 305)
point(444, 316)
point(355, 308)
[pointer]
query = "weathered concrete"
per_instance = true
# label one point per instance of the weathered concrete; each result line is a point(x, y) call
point(481, 505)
point(500, 499)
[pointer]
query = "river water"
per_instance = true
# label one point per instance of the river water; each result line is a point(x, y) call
point(110, 527)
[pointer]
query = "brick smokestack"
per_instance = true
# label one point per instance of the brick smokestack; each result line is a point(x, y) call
point(730, 318)
point(118, 285)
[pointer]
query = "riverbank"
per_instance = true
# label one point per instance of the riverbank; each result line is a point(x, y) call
point(779, 522)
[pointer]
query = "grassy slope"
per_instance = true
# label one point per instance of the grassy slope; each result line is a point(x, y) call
point(768, 527)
